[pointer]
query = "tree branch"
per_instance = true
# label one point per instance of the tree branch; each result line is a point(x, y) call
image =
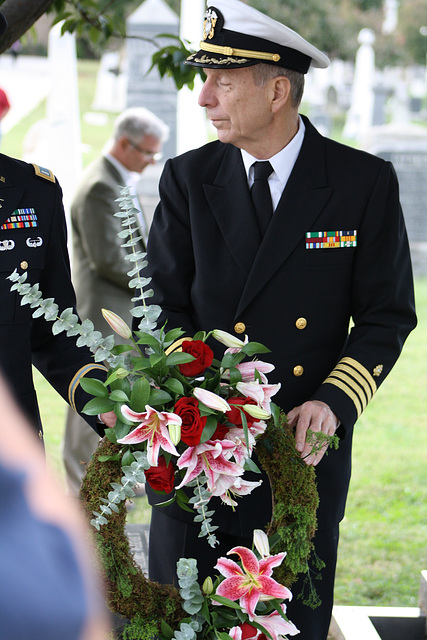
point(20, 15)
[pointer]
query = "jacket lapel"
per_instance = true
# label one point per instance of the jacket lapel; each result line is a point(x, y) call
point(302, 201)
point(231, 204)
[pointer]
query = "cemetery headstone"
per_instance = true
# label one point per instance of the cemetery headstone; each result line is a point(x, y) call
point(406, 148)
point(146, 88)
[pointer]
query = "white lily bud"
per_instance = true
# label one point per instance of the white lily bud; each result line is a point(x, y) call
point(211, 400)
point(175, 433)
point(207, 587)
point(117, 324)
point(256, 412)
point(227, 339)
point(261, 543)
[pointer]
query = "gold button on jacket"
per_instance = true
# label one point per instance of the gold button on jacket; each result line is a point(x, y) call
point(239, 327)
point(298, 370)
point(24, 264)
point(301, 323)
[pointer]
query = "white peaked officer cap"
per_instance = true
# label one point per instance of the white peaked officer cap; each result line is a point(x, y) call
point(237, 35)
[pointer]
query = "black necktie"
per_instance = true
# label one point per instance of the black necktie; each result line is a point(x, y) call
point(261, 194)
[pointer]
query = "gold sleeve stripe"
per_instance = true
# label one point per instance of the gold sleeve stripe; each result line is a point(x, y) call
point(361, 369)
point(357, 377)
point(347, 391)
point(76, 381)
point(352, 385)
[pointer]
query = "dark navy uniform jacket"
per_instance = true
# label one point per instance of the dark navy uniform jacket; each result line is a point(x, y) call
point(33, 238)
point(336, 251)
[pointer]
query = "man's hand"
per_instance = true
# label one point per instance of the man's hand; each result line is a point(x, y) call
point(109, 419)
point(314, 415)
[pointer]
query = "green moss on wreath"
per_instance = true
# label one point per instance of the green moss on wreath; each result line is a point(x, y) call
point(129, 592)
point(295, 499)
point(146, 603)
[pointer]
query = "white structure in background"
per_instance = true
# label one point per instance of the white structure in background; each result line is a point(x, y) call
point(192, 127)
point(391, 13)
point(62, 126)
point(55, 141)
point(111, 83)
point(360, 114)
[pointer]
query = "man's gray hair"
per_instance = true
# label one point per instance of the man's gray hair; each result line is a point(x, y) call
point(137, 122)
point(264, 72)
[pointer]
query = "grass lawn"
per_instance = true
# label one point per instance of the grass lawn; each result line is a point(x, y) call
point(383, 536)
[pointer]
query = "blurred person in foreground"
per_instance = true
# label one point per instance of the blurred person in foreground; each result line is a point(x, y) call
point(4, 108)
point(33, 240)
point(49, 582)
point(99, 267)
point(280, 234)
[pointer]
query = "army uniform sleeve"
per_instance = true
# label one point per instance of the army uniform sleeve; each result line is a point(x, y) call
point(383, 308)
point(58, 358)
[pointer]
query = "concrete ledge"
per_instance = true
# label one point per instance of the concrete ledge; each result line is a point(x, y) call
point(377, 623)
point(422, 597)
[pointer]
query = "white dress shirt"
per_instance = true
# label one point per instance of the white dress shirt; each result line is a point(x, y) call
point(282, 163)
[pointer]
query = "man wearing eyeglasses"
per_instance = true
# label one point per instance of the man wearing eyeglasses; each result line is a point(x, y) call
point(99, 267)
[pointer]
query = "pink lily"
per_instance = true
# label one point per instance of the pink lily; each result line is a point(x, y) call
point(277, 626)
point(252, 582)
point(211, 400)
point(247, 370)
point(153, 428)
point(239, 487)
point(261, 393)
point(209, 457)
point(273, 623)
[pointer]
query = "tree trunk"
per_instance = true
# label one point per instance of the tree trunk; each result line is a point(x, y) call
point(20, 15)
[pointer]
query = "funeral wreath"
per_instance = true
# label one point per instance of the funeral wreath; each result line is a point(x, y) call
point(188, 420)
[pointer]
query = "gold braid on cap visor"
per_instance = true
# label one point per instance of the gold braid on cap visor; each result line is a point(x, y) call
point(229, 51)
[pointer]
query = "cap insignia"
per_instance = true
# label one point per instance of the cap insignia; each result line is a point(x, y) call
point(209, 24)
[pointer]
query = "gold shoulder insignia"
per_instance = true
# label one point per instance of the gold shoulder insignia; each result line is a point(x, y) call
point(378, 370)
point(41, 172)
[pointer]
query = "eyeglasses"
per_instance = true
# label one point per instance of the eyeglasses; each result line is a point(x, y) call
point(150, 155)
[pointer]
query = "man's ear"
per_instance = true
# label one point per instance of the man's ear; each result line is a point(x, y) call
point(281, 92)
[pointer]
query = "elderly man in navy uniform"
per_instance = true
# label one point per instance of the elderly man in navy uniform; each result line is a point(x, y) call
point(33, 239)
point(290, 267)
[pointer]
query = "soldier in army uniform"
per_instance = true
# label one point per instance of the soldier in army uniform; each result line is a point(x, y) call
point(33, 239)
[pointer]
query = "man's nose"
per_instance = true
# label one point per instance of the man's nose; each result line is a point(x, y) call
point(206, 96)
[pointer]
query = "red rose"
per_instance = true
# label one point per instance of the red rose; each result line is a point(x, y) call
point(161, 478)
point(220, 432)
point(203, 355)
point(234, 416)
point(248, 632)
point(192, 422)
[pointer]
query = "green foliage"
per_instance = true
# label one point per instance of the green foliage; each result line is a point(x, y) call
point(413, 16)
point(170, 61)
point(140, 629)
